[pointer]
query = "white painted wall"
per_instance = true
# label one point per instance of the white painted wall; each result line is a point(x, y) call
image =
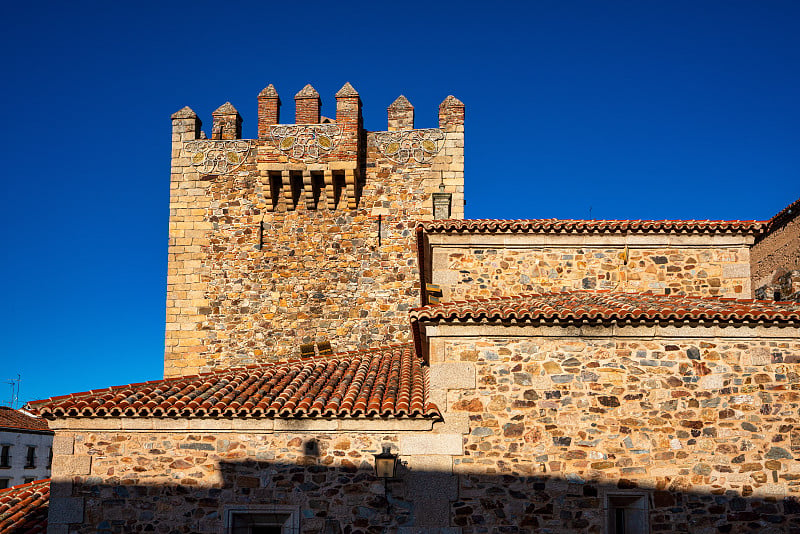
point(20, 440)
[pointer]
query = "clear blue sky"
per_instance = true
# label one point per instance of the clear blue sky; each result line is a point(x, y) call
point(630, 109)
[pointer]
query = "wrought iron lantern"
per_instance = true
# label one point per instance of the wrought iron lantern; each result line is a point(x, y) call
point(386, 464)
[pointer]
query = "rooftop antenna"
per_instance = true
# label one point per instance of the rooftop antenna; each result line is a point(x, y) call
point(14, 383)
point(590, 213)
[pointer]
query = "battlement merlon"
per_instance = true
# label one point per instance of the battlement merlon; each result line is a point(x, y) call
point(451, 115)
point(269, 110)
point(227, 123)
point(307, 104)
point(185, 125)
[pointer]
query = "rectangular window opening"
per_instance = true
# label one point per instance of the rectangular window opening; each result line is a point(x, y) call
point(4, 483)
point(30, 458)
point(626, 513)
point(5, 456)
point(274, 519)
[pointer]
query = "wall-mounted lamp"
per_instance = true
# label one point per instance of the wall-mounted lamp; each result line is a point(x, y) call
point(441, 203)
point(386, 464)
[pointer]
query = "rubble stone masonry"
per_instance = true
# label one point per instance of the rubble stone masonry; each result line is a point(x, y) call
point(480, 266)
point(542, 426)
point(301, 235)
point(701, 422)
point(777, 252)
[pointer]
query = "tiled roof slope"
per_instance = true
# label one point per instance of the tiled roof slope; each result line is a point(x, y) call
point(599, 306)
point(23, 509)
point(385, 382)
point(17, 420)
point(574, 226)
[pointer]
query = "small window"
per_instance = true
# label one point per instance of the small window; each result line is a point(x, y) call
point(50, 458)
point(4, 482)
point(30, 458)
point(263, 520)
point(5, 456)
point(626, 513)
point(28, 479)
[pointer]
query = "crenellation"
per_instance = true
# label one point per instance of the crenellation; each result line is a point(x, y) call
point(306, 232)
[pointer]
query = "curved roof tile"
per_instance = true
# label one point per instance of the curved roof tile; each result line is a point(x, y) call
point(369, 383)
point(577, 226)
point(597, 306)
point(23, 508)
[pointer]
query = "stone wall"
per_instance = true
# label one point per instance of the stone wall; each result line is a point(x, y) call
point(700, 423)
point(782, 287)
point(778, 251)
point(480, 266)
point(271, 248)
point(181, 480)
point(543, 427)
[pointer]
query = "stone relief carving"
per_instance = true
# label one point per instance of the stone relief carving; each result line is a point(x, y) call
point(305, 142)
point(404, 145)
point(218, 157)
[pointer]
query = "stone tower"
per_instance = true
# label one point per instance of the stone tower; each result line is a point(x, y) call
point(305, 234)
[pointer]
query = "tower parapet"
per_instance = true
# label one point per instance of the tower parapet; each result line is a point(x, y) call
point(303, 234)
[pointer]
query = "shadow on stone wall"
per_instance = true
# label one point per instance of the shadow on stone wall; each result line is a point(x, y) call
point(348, 498)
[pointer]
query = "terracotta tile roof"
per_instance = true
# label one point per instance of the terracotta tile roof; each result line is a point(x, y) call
point(598, 306)
point(23, 508)
point(574, 226)
point(384, 382)
point(18, 420)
